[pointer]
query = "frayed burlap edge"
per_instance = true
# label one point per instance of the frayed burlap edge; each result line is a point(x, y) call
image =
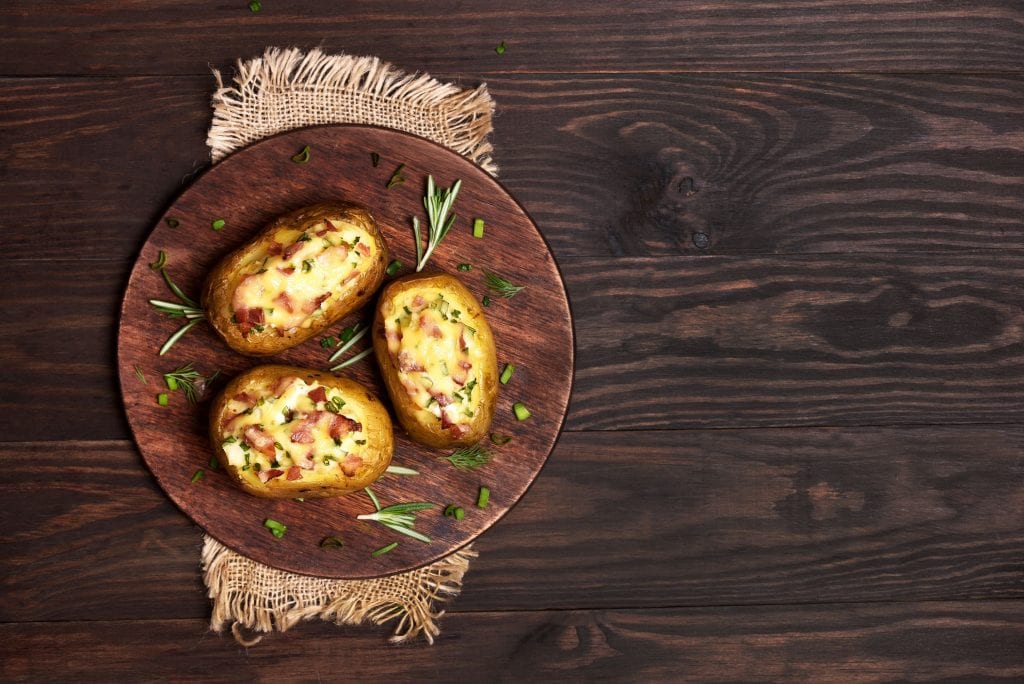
point(283, 90)
point(247, 594)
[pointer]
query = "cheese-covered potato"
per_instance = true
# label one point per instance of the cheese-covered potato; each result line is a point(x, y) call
point(282, 431)
point(437, 356)
point(302, 273)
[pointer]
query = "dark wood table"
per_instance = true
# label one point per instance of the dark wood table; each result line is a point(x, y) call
point(793, 241)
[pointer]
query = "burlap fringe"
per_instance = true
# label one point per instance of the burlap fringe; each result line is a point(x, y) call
point(410, 596)
point(315, 84)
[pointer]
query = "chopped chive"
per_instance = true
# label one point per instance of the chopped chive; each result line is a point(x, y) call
point(393, 267)
point(500, 439)
point(332, 542)
point(161, 261)
point(486, 301)
point(373, 497)
point(459, 513)
point(384, 549)
point(449, 510)
point(302, 157)
point(162, 399)
point(465, 267)
point(375, 158)
point(478, 227)
point(218, 224)
point(214, 463)
point(172, 222)
point(396, 178)
point(198, 475)
point(255, 6)
point(483, 497)
point(172, 382)
point(276, 528)
point(347, 333)
point(522, 413)
point(506, 373)
point(328, 342)
point(140, 375)
point(501, 47)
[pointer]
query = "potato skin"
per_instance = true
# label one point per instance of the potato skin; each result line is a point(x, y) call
point(376, 429)
point(223, 280)
point(422, 427)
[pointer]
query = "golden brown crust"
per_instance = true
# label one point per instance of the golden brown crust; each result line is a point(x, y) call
point(429, 432)
point(225, 277)
point(376, 426)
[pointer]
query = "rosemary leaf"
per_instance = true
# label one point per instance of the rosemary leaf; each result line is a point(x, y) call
point(470, 457)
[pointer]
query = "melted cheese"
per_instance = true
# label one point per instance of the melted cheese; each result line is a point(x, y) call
point(424, 342)
point(287, 289)
point(279, 416)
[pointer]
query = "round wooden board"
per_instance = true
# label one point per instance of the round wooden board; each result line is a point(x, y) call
point(533, 332)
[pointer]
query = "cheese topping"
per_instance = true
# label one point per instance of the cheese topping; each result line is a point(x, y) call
point(298, 430)
point(286, 286)
point(431, 344)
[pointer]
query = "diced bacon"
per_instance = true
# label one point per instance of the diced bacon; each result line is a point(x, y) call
point(363, 249)
point(283, 384)
point(275, 249)
point(393, 336)
point(317, 395)
point(351, 464)
point(285, 302)
point(245, 398)
point(287, 270)
point(259, 440)
point(418, 301)
point(328, 228)
point(462, 337)
point(268, 475)
point(442, 399)
point(302, 431)
point(465, 365)
point(459, 378)
point(407, 364)
point(294, 473)
point(330, 225)
point(291, 250)
point(310, 306)
point(430, 327)
point(341, 426)
point(350, 277)
point(456, 429)
point(307, 462)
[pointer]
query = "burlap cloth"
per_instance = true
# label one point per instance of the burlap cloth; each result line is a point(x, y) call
point(282, 90)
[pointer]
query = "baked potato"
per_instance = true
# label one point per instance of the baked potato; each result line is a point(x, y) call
point(283, 432)
point(436, 354)
point(300, 274)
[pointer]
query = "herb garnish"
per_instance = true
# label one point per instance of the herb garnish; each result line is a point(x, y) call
point(396, 178)
point(302, 157)
point(185, 378)
point(465, 267)
point(161, 261)
point(400, 470)
point(332, 542)
point(328, 342)
point(453, 511)
point(478, 228)
point(483, 497)
point(502, 286)
point(384, 549)
point(355, 359)
point(188, 308)
point(255, 6)
point(438, 202)
point(522, 413)
point(500, 439)
point(162, 399)
point(501, 47)
point(398, 517)
point(218, 224)
point(350, 336)
point(393, 267)
point(276, 528)
point(198, 475)
point(469, 457)
point(172, 222)
point(140, 375)
point(506, 373)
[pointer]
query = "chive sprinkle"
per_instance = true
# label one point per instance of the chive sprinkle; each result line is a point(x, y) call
point(459, 513)
point(198, 475)
point(500, 48)
point(486, 301)
point(465, 267)
point(449, 510)
point(214, 463)
point(393, 267)
point(140, 375)
point(303, 156)
point(396, 178)
point(522, 413)
point(276, 528)
point(172, 222)
point(161, 261)
point(384, 549)
point(255, 6)
point(328, 342)
point(478, 227)
point(162, 399)
point(506, 373)
point(483, 497)
point(500, 439)
point(218, 224)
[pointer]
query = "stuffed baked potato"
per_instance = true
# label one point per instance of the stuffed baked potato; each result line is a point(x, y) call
point(436, 353)
point(283, 432)
point(303, 272)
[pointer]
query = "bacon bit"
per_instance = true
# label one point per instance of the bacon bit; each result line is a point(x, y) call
point(459, 379)
point(393, 336)
point(283, 384)
point(259, 440)
point(247, 318)
point(268, 475)
point(456, 429)
point(341, 426)
point(294, 473)
point(407, 364)
point(302, 431)
point(328, 228)
point(350, 277)
point(287, 271)
point(284, 301)
point(418, 300)
point(430, 327)
point(462, 339)
point(465, 365)
point(292, 249)
point(363, 249)
point(351, 464)
point(442, 399)
point(275, 249)
point(317, 395)
point(311, 306)
point(245, 398)
point(307, 462)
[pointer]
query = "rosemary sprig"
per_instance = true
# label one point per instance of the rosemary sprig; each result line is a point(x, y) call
point(140, 375)
point(501, 286)
point(186, 378)
point(355, 359)
point(399, 517)
point(438, 203)
point(400, 470)
point(358, 332)
point(469, 457)
point(187, 309)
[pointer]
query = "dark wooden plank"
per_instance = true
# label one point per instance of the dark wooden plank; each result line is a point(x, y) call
point(165, 37)
point(715, 517)
point(765, 341)
point(970, 641)
point(634, 165)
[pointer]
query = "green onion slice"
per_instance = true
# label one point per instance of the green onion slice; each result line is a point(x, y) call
point(506, 373)
point(384, 549)
point(483, 497)
point(522, 413)
point(303, 156)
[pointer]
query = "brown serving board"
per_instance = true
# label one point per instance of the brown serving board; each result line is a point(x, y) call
point(533, 331)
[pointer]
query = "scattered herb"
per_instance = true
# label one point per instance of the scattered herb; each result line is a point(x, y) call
point(399, 470)
point(307, 265)
point(449, 510)
point(502, 286)
point(255, 6)
point(347, 333)
point(172, 222)
point(355, 359)
point(218, 224)
point(522, 413)
point(349, 336)
point(499, 439)
point(140, 375)
point(459, 513)
point(396, 178)
point(185, 378)
point(335, 405)
point(501, 47)
point(302, 157)
point(478, 227)
point(332, 542)
point(384, 549)
point(214, 463)
point(373, 498)
point(483, 497)
point(276, 528)
point(469, 457)
point(393, 267)
point(453, 511)
point(400, 518)
point(161, 261)
point(506, 373)
point(198, 475)
point(438, 203)
point(486, 301)
point(465, 267)
point(328, 342)
point(163, 399)
point(375, 158)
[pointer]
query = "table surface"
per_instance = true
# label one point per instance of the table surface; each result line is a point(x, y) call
point(793, 240)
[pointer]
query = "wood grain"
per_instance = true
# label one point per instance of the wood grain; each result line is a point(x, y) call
point(110, 37)
point(967, 641)
point(607, 165)
point(628, 519)
point(248, 190)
